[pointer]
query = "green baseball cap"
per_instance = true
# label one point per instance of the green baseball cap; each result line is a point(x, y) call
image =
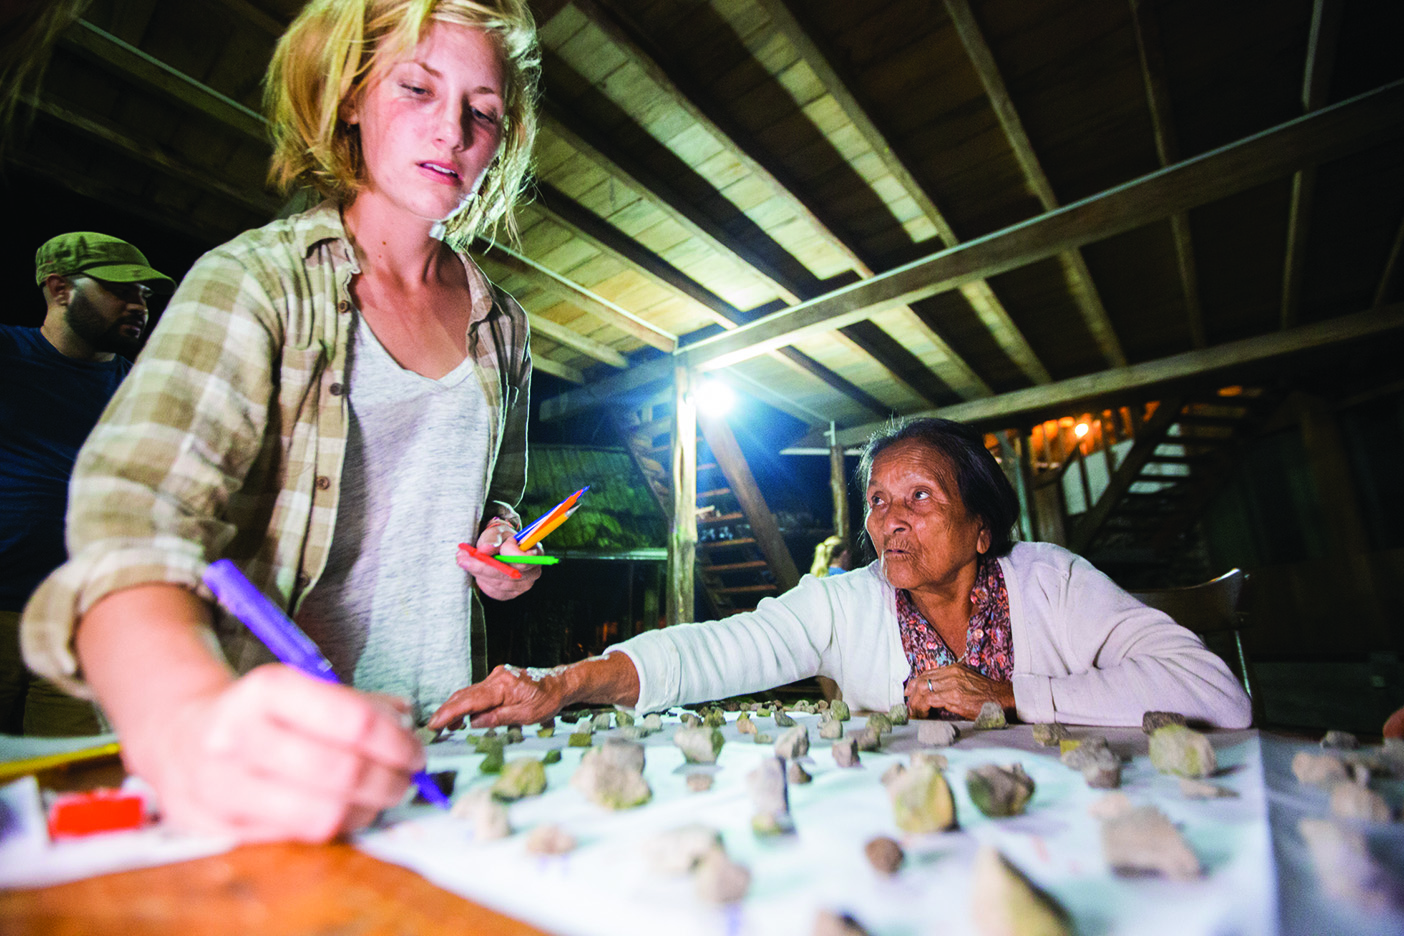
point(99, 256)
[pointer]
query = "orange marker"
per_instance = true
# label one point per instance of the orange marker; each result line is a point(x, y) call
point(493, 561)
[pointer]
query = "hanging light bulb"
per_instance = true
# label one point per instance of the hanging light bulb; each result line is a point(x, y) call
point(1080, 429)
point(715, 398)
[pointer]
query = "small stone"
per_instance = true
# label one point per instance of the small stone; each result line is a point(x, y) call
point(804, 707)
point(880, 724)
point(1346, 868)
point(868, 739)
point(899, 714)
point(1099, 766)
point(632, 733)
point(745, 726)
point(999, 791)
point(927, 757)
point(1318, 770)
point(936, 733)
point(623, 718)
point(715, 718)
point(884, 854)
point(1340, 741)
point(547, 723)
point(488, 815)
point(845, 753)
point(653, 722)
point(521, 777)
point(580, 739)
point(764, 738)
point(1175, 749)
point(839, 709)
point(607, 776)
point(921, 799)
point(829, 923)
point(1352, 801)
point(699, 745)
point(691, 720)
point(782, 720)
point(492, 761)
point(763, 711)
point(1004, 902)
point(549, 839)
point(487, 743)
point(1049, 735)
point(793, 743)
point(821, 706)
point(831, 729)
point(571, 717)
point(990, 718)
point(601, 721)
point(720, 880)
point(490, 733)
point(426, 736)
point(514, 734)
point(679, 850)
point(1151, 721)
point(552, 756)
point(796, 773)
point(1144, 841)
point(1199, 789)
point(546, 731)
point(699, 782)
point(770, 798)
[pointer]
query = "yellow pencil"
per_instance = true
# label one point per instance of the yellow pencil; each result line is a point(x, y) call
point(48, 761)
point(545, 529)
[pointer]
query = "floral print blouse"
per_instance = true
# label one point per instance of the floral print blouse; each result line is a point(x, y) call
point(989, 647)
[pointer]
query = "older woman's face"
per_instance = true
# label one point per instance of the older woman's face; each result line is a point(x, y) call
point(922, 532)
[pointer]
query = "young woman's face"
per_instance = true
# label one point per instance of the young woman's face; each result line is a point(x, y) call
point(430, 122)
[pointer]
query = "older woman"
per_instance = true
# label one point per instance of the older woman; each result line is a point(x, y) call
point(953, 614)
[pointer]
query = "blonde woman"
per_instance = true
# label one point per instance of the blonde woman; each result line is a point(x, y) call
point(333, 401)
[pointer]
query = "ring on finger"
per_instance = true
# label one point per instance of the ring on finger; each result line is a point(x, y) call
point(929, 687)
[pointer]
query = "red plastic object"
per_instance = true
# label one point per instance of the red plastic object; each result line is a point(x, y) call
point(75, 814)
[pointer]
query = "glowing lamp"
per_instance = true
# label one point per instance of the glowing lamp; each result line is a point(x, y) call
point(715, 398)
point(1080, 430)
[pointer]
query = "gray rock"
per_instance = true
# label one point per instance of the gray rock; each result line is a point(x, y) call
point(699, 745)
point(793, 743)
point(782, 720)
point(884, 854)
point(691, 720)
point(520, 777)
point(763, 738)
point(1144, 841)
point(845, 753)
point(921, 799)
point(699, 782)
point(549, 839)
point(927, 757)
point(715, 718)
point(880, 724)
point(991, 717)
point(1004, 902)
point(1050, 735)
point(745, 726)
point(898, 714)
point(770, 798)
point(623, 718)
point(487, 815)
point(607, 776)
point(936, 733)
point(652, 722)
point(1175, 749)
point(1091, 757)
point(720, 880)
point(601, 721)
point(1340, 741)
point(1318, 770)
point(795, 773)
point(868, 739)
point(680, 850)
point(839, 709)
point(514, 734)
point(831, 729)
point(999, 791)
point(1151, 721)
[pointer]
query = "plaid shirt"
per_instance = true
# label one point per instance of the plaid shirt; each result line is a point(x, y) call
point(227, 439)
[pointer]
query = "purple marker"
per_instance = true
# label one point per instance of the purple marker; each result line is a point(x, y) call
point(285, 639)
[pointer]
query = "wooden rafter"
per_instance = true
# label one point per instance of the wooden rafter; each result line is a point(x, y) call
point(955, 372)
point(1316, 83)
point(1167, 147)
point(1057, 399)
point(1330, 132)
point(1079, 278)
point(792, 24)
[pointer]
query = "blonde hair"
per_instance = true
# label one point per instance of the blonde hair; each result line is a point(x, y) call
point(825, 554)
point(328, 57)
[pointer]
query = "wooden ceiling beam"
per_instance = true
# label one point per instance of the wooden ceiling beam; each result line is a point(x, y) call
point(154, 155)
point(1057, 399)
point(557, 369)
point(610, 391)
point(131, 62)
point(583, 299)
point(1325, 134)
point(1146, 25)
point(1316, 85)
point(1079, 278)
point(793, 24)
point(605, 237)
point(752, 157)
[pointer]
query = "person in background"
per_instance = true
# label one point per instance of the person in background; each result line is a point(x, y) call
point(55, 381)
point(952, 615)
point(333, 402)
point(831, 557)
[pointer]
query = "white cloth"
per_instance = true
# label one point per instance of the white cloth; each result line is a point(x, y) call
point(1085, 651)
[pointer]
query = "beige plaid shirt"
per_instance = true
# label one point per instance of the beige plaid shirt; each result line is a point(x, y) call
point(227, 438)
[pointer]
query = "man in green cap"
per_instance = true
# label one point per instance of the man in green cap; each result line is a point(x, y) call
point(55, 381)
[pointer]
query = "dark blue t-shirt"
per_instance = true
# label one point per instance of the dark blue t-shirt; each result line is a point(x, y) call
point(48, 405)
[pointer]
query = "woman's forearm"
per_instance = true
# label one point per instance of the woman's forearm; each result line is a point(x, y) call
point(607, 680)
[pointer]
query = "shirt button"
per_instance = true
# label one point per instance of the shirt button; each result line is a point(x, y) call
point(335, 389)
point(343, 306)
point(303, 580)
point(323, 482)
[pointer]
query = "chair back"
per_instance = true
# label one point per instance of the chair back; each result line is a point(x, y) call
point(1210, 607)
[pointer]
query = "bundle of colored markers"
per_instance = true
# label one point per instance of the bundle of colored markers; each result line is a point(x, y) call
point(530, 535)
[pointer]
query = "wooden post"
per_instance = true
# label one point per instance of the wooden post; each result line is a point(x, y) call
point(1016, 453)
point(682, 542)
point(1331, 475)
point(838, 485)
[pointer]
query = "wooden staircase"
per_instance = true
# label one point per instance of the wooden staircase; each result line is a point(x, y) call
point(741, 556)
point(1129, 503)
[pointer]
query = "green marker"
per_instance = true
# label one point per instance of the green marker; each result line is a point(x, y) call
point(529, 560)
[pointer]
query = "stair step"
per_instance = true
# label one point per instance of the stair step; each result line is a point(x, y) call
point(721, 544)
point(746, 589)
point(722, 518)
point(735, 566)
point(706, 466)
point(714, 492)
